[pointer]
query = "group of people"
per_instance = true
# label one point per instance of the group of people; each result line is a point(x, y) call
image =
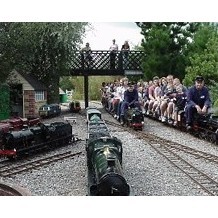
point(124, 55)
point(164, 97)
point(123, 58)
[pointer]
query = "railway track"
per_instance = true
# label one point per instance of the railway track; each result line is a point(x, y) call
point(9, 170)
point(173, 151)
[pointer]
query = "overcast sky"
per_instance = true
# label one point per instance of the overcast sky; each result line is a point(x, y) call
point(100, 34)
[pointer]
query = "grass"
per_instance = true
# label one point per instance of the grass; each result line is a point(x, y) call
point(94, 86)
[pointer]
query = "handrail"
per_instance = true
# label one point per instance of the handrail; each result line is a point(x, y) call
point(107, 60)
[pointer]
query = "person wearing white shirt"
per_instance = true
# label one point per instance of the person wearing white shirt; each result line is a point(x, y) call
point(113, 52)
point(122, 88)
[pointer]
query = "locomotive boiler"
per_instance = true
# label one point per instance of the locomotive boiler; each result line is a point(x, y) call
point(104, 159)
point(34, 139)
point(134, 119)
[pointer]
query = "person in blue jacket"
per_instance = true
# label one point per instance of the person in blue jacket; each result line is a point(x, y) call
point(130, 100)
point(198, 101)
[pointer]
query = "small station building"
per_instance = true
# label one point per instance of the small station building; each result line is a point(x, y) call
point(24, 95)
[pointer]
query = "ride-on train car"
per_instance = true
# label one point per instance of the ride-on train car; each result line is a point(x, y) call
point(90, 111)
point(204, 126)
point(17, 123)
point(49, 110)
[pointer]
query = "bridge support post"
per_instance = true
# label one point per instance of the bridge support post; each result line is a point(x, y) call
point(86, 90)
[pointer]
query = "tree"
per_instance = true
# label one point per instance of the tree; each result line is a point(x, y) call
point(165, 45)
point(66, 83)
point(203, 55)
point(44, 49)
point(6, 59)
point(203, 58)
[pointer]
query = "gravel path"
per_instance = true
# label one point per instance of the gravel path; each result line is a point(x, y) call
point(147, 172)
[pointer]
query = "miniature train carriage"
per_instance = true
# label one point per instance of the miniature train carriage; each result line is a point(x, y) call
point(18, 123)
point(49, 110)
point(75, 107)
point(90, 111)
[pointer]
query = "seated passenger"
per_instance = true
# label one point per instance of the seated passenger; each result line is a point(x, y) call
point(179, 102)
point(151, 95)
point(130, 100)
point(176, 98)
point(141, 99)
point(198, 101)
point(157, 102)
point(145, 97)
point(167, 91)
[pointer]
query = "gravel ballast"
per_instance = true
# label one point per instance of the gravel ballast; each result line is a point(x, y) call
point(147, 172)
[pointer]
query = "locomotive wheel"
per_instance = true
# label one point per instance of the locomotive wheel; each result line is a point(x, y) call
point(204, 135)
point(211, 138)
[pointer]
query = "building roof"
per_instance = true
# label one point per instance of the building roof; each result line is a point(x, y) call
point(61, 92)
point(33, 81)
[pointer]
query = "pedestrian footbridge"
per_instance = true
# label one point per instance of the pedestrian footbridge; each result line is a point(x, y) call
point(96, 63)
point(105, 63)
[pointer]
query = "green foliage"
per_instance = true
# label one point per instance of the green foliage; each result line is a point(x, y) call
point(203, 59)
point(44, 49)
point(204, 32)
point(78, 83)
point(6, 57)
point(94, 86)
point(66, 83)
point(4, 99)
point(165, 45)
point(214, 94)
point(204, 56)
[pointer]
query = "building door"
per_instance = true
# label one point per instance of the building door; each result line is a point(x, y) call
point(4, 102)
point(16, 100)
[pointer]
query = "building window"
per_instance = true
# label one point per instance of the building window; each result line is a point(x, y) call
point(39, 95)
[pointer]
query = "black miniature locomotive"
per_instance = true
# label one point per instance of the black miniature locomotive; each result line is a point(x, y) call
point(31, 140)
